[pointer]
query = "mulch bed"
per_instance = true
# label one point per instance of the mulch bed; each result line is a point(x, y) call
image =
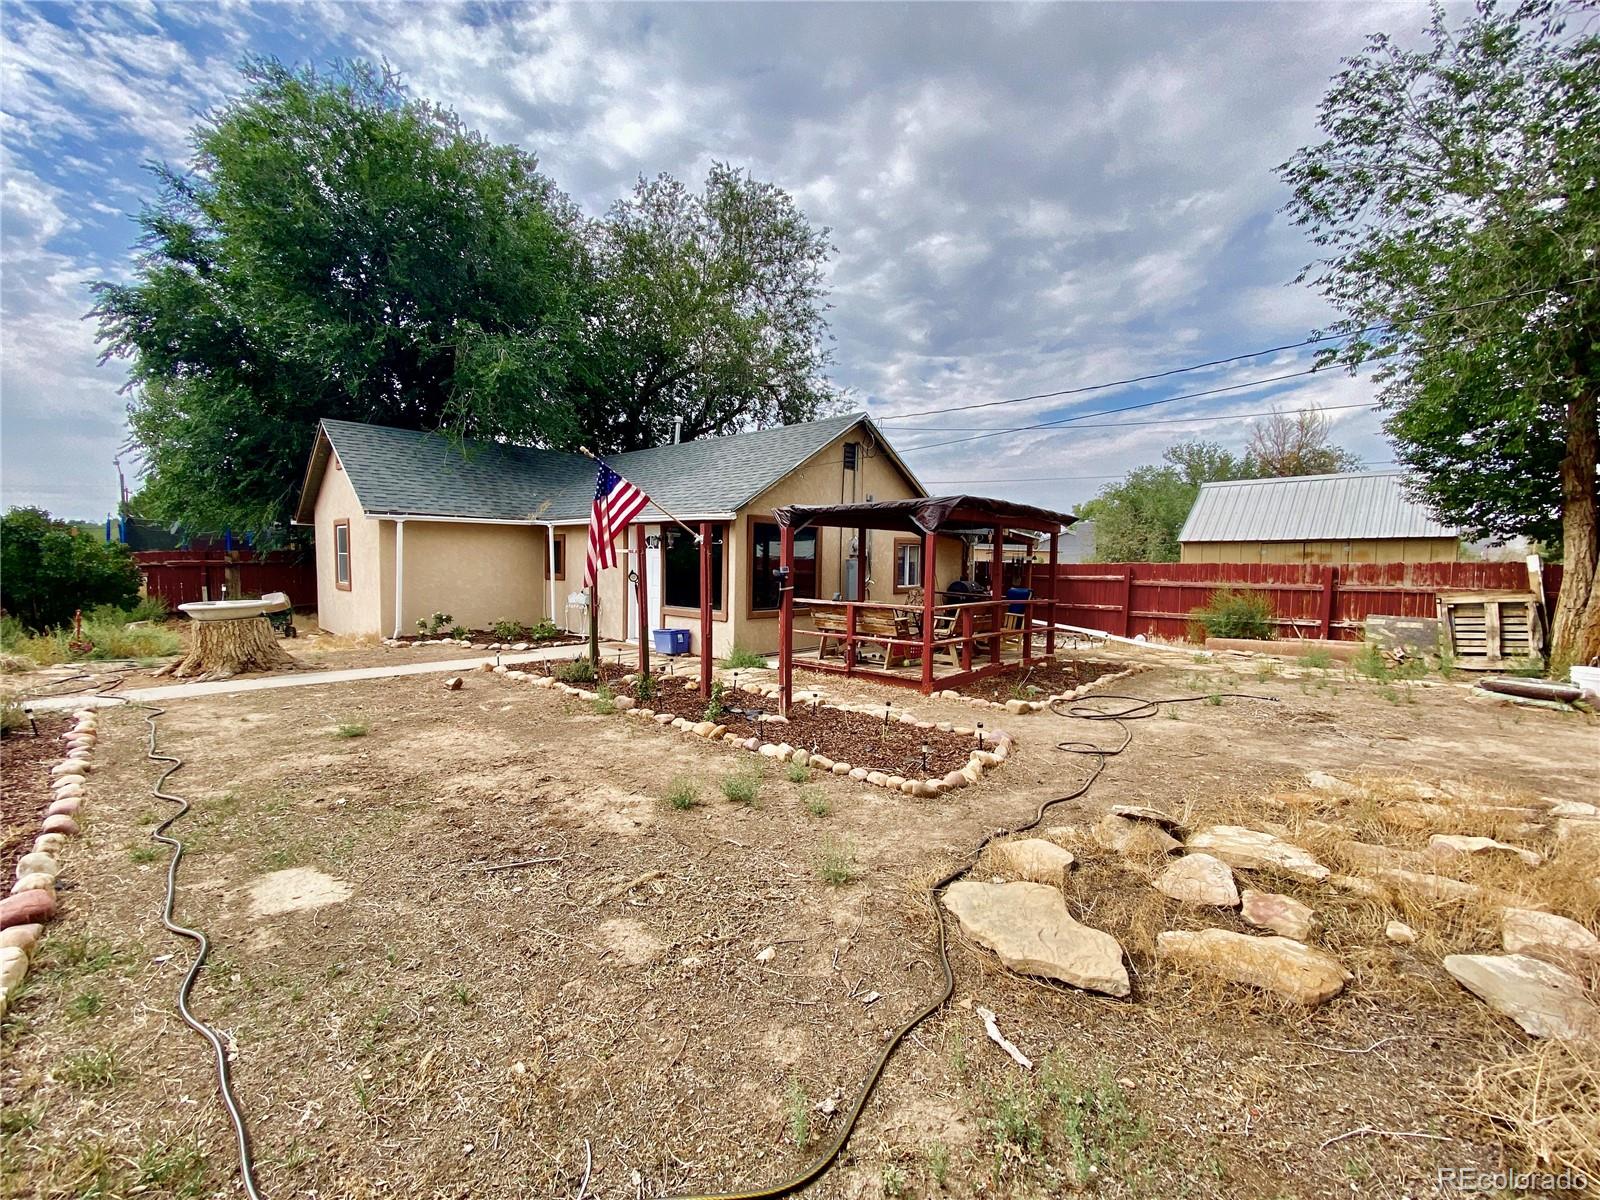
point(1050, 678)
point(489, 637)
point(860, 739)
point(25, 786)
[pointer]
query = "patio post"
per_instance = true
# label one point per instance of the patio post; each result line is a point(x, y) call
point(997, 591)
point(861, 564)
point(705, 608)
point(785, 619)
point(644, 602)
point(1050, 630)
point(929, 583)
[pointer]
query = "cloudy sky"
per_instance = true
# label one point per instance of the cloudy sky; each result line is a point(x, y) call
point(1025, 199)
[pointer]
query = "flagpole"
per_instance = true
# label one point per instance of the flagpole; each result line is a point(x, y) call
point(584, 450)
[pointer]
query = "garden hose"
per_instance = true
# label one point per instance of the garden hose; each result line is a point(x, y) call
point(224, 1077)
point(1138, 709)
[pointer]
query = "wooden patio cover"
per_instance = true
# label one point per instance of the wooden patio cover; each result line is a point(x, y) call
point(928, 517)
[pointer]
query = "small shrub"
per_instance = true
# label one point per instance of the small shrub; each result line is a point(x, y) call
point(816, 803)
point(1319, 658)
point(436, 624)
point(683, 795)
point(938, 1162)
point(743, 660)
point(543, 631)
point(91, 1069)
point(460, 632)
point(579, 670)
point(645, 687)
point(12, 718)
point(715, 708)
point(837, 865)
point(893, 1180)
point(85, 1004)
point(351, 729)
point(795, 773)
point(605, 702)
point(742, 789)
point(510, 631)
point(799, 1106)
point(1235, 615)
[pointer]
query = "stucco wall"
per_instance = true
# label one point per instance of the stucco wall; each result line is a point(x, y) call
point(353, 612)
point(478, 574)
point(1370, 550)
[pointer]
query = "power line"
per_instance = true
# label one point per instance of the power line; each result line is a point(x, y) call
point(1287, 412)
point(1235, 387)
point(1315, 339)
point(1078, 478)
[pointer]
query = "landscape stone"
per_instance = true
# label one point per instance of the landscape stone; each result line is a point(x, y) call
point(50, 843)
point(1281, 914)
point(1441, 887)
point(1549, 936)
point(33, 862)
point(1447, 844)
point(859, 774)
point(841, 768)
point(1370, 888)
point(1121, 834)
point(27, 908)
point(13, 966)
point(68, 806)
point(1142, 812)
point(35, 880)
point(1250, 849)
point(1371, 856)
point(1279, 965)
point(1575, 808)
point(1400, 932)
point(1539, 996)
point(1032, 859)
point(59, 824)
point(24, 937)
point(1199, 879)
point(1028, 926)
point(453, 684)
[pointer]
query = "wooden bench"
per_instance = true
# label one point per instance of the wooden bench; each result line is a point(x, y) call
point(871, 623)
point(949, 624)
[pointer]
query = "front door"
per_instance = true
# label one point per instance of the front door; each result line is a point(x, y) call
point(653, 566)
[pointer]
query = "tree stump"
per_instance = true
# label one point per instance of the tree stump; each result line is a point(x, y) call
point(221, 649)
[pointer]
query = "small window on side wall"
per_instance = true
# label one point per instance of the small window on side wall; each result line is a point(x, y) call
point(341, 554)
point(907, 566)
point(558, 548)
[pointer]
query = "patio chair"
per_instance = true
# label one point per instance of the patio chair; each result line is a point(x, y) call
point(1016, 615)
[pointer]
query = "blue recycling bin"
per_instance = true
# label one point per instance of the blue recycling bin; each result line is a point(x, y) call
point(670, 641)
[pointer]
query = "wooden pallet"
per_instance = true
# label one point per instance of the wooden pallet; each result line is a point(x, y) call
point(1490, 631)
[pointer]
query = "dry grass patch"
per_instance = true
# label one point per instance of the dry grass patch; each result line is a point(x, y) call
point(1545, 1103)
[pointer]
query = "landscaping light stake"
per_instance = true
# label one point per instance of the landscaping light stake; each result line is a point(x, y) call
point(926, 750)
point(980, 735)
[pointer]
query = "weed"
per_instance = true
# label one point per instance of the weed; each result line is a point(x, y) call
point(178, 1170)
point(605, 702)
point(796, 773)
point(19, 1120)
point(1054, 1115)
point(12, 718)
point(1319, 658)
point(645, 687)
point(742, 789)
point(799, 1108)
point(816, 803)
point(938, 1162)
point(85, 1004)
point(363, 1095)
point(91, 1069)
point(105, 627)
point(837, 865)
point(893, 1180)
point(683, 795)
point(80, 954)
point(743, 660)
point(278, 858)
point(462, 995)
point(1215, 698)
point(1230, 614)
point(144, 854)
point(351, 729)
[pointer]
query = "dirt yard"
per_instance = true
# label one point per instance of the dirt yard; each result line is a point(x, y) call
point(413, 1017)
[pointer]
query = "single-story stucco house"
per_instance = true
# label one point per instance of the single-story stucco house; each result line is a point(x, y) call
point(411, 523)
point(1353, 518)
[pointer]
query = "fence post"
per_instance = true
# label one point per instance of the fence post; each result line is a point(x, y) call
point(1127, 600)
point(1330, 587)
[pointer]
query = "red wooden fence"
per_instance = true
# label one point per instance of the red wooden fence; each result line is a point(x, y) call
point(1309, 599)
point(182, 576)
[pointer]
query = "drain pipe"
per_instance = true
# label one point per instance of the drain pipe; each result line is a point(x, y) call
point(550, 571)
point(399, 575)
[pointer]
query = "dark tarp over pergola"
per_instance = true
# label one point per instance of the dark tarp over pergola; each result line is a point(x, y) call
point(927, 517)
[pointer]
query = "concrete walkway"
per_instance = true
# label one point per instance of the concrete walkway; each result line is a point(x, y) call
point(267, 683)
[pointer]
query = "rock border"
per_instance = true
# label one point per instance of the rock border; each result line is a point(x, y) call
point(32, 902)
point(1018, 708)
point(996, 751)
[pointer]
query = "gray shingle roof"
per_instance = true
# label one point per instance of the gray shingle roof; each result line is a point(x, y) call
point(404, 472)
point(1310, 508)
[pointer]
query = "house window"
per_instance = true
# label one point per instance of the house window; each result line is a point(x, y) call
point(766, 555)
point(341, 555)
point(907, 565)
point(558, 545)
point(680, 570)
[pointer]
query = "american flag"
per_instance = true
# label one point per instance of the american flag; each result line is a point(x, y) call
point(616, 503)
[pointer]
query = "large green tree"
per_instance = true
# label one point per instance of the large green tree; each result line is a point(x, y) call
point(709, 311)
point(337, 249)
point(1455, 204)
point(1138, 518)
